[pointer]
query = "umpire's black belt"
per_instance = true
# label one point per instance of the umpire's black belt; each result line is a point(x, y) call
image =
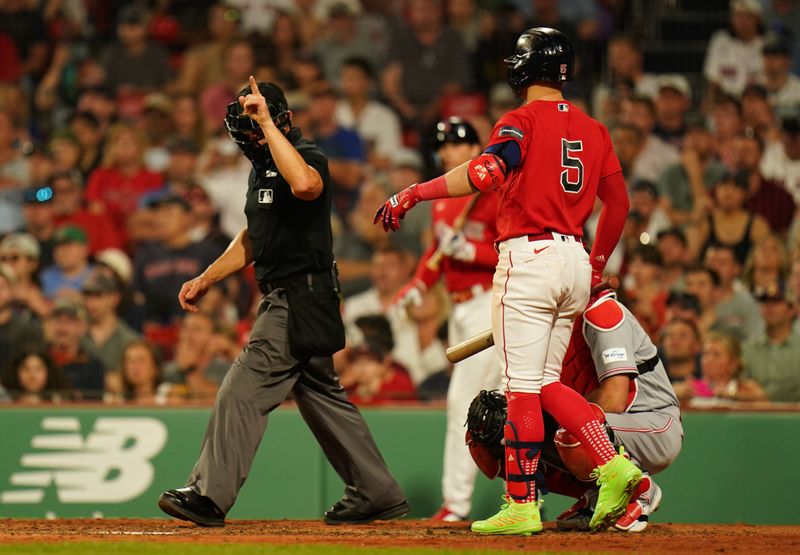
point(648, 365)
point(319, 282)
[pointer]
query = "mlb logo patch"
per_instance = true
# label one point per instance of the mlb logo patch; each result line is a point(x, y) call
point(265, 196)
point(563, 107)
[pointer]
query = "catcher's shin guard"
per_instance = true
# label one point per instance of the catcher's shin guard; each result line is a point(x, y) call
point(524, 432)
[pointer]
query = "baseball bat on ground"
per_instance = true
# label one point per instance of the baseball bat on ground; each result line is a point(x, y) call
point(484, 340)
point(458, 224)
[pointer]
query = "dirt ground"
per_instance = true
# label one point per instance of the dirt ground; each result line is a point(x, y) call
point(658, 538)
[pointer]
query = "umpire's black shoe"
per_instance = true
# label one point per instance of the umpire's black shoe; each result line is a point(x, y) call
point(342, 514)
point(187, 504)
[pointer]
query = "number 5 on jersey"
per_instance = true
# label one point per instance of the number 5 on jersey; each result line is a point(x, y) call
point(571, 163)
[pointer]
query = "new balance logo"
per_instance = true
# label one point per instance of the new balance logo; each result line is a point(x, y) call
point(110, 465)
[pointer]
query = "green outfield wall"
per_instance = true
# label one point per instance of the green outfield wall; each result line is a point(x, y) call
point(63, 462)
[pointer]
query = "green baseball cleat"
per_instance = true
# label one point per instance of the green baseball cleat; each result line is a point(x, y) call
point(514, 519)
point(617, 479)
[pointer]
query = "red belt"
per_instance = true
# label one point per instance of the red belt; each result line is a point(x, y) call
point(468, 294)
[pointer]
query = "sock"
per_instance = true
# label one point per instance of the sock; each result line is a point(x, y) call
point(524, 433)
point(573, 412)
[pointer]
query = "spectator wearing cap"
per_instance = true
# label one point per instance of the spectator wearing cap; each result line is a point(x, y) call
point(156, 124)
point(134, 62)
point(407, 167)
point(69, 210)
point(428, 61)
point(377, 125)
point(673, 247)
point(765, 196)
point(162, 267)
point(15, 329)
point(782, 86)
point(686, 184)
point(624, 78)
point(19, 252)
point(238, 62)
point(646, 293)
point(71, 267)
point(116, 187)
point(733, 58)
point(728, 222)
point(757, 113)
point(672, 102)
point(107, 334)
point(773, 358)
point(40, 220)
point(781, 160)
point(14, 174)
point(680, 349)
point(735, 310)
point(203, 64)
point(65, 330)
point(654, 155)
point(342, 146)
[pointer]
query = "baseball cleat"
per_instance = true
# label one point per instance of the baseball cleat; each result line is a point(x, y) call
point(647, 501)
point(577, 517)
point(339, 513)
point(187, 504)
point(618, 479)
point(514, 519)
point(446, 515)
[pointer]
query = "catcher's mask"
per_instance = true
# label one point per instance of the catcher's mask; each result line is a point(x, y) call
point(245, 132)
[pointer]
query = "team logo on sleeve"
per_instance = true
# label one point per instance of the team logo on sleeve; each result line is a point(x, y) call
point(617, 354)
point(509, 131)
point(563, 107)
point(265, 196)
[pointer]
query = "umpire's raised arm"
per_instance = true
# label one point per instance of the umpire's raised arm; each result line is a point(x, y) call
point(305, 181)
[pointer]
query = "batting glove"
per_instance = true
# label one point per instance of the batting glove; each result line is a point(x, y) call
point(396, 207)
point(410, 295)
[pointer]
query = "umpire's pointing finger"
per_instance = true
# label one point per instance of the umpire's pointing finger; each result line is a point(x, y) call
point(254, 86)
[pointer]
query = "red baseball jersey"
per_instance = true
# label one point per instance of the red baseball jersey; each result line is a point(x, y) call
point(480, 229)
point(564, 154)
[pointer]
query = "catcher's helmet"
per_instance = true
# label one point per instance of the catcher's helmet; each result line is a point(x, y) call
point(244, 131)
point(454, 130)
point(542, 54)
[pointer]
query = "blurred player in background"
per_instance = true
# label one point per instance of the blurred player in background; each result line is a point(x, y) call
point(467, 264)
point(550, 162)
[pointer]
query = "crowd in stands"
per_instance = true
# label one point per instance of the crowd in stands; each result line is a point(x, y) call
point(118, 183)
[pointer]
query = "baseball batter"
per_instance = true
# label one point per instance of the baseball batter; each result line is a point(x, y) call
point(467, 267)
point(549, 161)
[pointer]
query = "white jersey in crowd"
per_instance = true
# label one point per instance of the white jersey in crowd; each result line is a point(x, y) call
point(731, 63)
point(376, 125)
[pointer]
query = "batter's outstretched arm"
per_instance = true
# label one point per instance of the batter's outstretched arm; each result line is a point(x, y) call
point(238, 255)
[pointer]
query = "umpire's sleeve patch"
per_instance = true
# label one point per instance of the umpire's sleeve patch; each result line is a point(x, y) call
point(612, 356)
point(509, 131)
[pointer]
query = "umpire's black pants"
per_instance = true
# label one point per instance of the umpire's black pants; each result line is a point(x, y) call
point(260, 380)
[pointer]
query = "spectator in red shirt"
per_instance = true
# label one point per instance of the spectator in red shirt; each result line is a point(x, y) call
point(116, 187)
point(10, 69)
point(68, 208)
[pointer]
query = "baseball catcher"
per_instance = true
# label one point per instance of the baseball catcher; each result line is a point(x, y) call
point(614, 364)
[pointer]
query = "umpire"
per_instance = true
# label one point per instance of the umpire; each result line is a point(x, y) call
point(298, 328)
